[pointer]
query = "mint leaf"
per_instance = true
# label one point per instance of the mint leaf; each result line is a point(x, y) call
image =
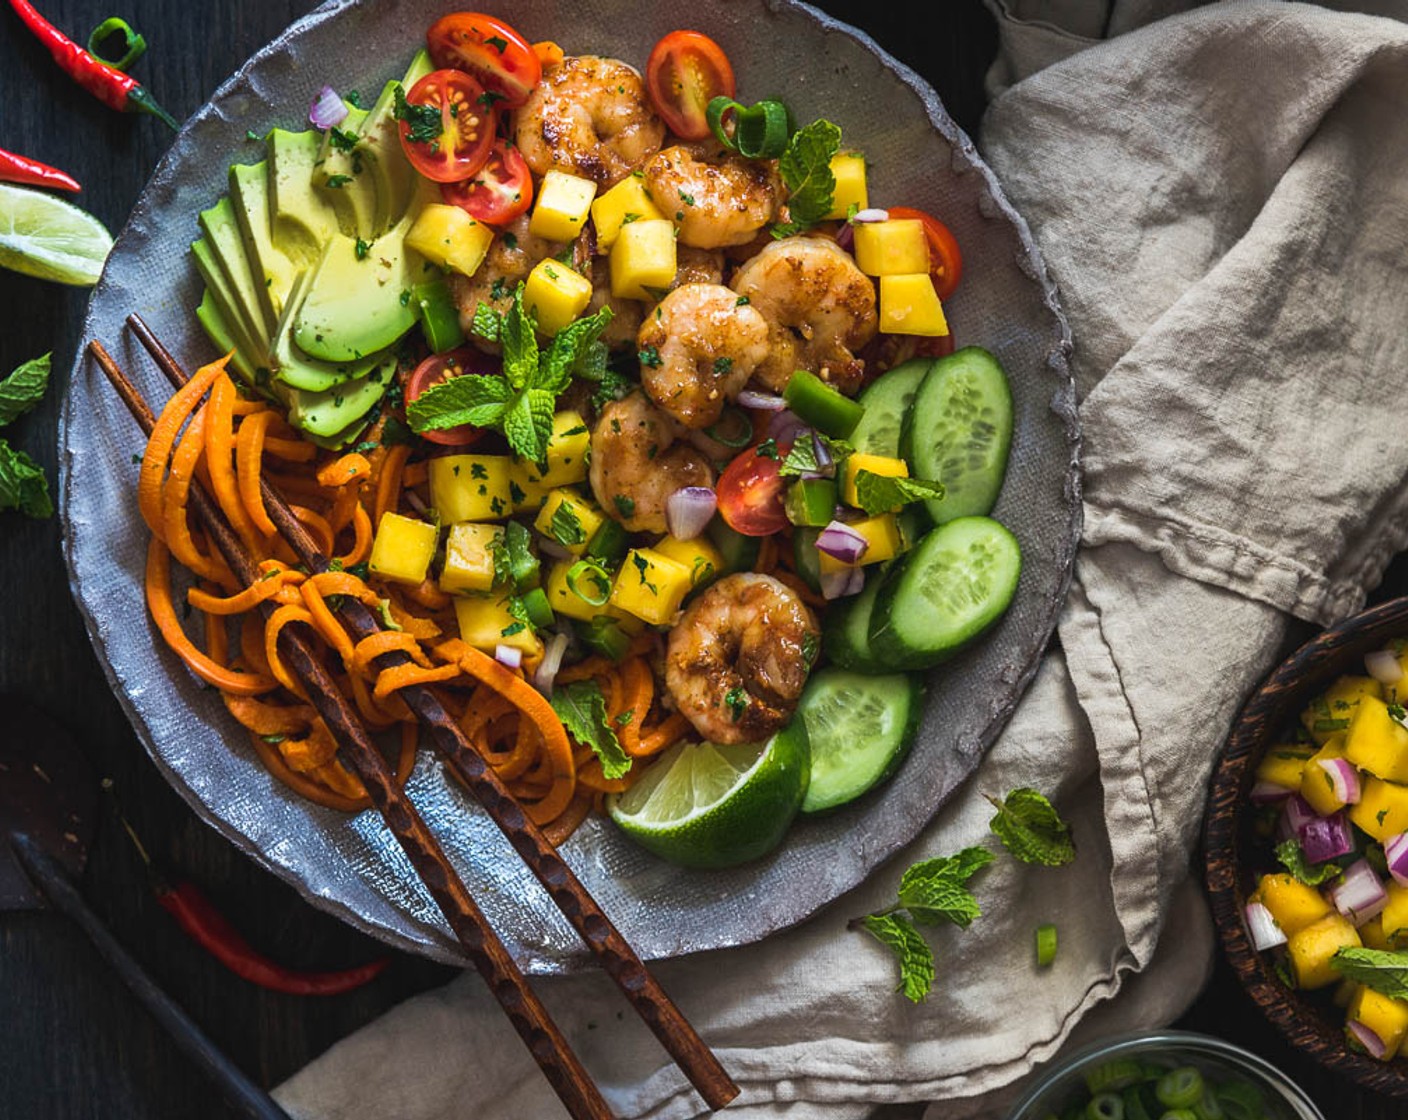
point(878, 493)
point(916, 959)
point(487, 322)
point(582, 709)
point(1383, 970)
point(934, 890)
point(520, 345)
point(569, 348)
point(23, 389)
point(805, 456)
point(22, 484)
point(1292, 857)
point(480, 400)
point(806, 169)
point(528, 423)
point(1030, 828)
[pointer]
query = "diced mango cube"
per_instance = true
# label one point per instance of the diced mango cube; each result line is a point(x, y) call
point(565, 590)
point(1382, 809)
point(1292, 903)
point(526, 494)
point(470, 487)
point(1330, 713)
point(909, 305)
point(1312, 948)
point(1373, 935)
point(450, 238)
point(469, 557)
point(892, 248)
point(703, 560)
point(1377, 742)
point(643, 259)
point(1386, 1016)
point(882, 533)
point(1394, 917)
point(569, 519)
point(568, 446)
point(1316, 785)
point(402, 548)
point(1283, 765)
point(651, 586)
point(486, 624)
point(623, 204)
point(876, 464)
point(564, 201)
point(555, 295)
point(849, 171)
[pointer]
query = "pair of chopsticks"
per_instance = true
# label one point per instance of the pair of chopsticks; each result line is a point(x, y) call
point(529, 1017)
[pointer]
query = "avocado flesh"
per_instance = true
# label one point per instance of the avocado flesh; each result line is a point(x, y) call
point(300, 371)
point(273, 273)
point(336, 413)
point(217, 288)
point(222, 238)
point(209, 315)
point(354, 307)
point(302, 219)
point(345, 183)
point(379, 145)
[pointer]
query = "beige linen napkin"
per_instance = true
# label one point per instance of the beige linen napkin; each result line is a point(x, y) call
point(1222, 198)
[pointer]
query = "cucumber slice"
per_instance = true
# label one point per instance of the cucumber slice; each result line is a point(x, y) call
point(954, 585)
point(859, 728)
point(959, 431)
point(847, 630)
point(886, 401)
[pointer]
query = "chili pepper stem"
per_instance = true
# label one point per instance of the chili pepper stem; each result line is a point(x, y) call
point(141, 99)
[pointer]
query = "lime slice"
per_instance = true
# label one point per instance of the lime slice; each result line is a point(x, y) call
point(44, 236)
point(709, 805)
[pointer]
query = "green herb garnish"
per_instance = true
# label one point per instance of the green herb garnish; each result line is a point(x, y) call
point(878, 493)
point(806, 169)
point(582, 709)
point(1030, 828)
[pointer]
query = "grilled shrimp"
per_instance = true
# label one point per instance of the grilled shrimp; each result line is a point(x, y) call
point(511, 257)
point(819, 306)
point(717, 199)
point(590, 117)
point(738, 658)
point(705, 347)
point(636, 464)
point(626, 314)
point(697, 266)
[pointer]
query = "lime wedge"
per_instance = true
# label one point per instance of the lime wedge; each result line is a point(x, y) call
point(44, 236)
point(709, 805)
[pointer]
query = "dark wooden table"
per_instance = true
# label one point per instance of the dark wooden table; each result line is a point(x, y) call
point(73, 1043)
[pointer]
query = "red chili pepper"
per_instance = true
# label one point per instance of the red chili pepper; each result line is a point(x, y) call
point(32, 173)
point(210, 929)
point(107, 83)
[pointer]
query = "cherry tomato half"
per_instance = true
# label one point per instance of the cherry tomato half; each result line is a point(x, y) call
point(686, 71)
point(466, 133)
point(500, 191)
point(435, 369)
point(497, 55)
point(945, 261)
point(750, 494)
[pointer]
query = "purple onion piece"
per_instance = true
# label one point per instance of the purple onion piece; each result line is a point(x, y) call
point(1266, 932)
point(1296, 815)
point(871, 214)
point(1358, 894)
point(838, 585)
point(1344, 779)
point(785, 426)
point(768, 402)
point(846, 238)
point(511, 656)
point(1268, 793)
point(841, 542)
point(1327, 838)
point(1396, 854)
point(1366, 1038)
point(551, 663)
point(328, 109)
point(688, 510)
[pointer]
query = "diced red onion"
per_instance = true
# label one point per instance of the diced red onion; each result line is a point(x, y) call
point(551, 663)
point(825, 464)
point(837, 585)
point(768, 402)
point(511, 656)
point(1366, 1037)
point(549, 547)
point(1295, 815)
point(328, 109)
point(688, 510)
point(871, 215)
point(1358, 894)
point(1383, 666)
point(846, 237)
point(841, 542)
point(784, 426)
point(1326, 838)
point(1396, 855)
point(1344, 778)
point(1268, 793)
point(1266, 932)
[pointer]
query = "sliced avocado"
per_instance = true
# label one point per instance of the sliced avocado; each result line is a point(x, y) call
point(355, 307)
point(302, 219)
point(218, 331)
point(222, 237)
point(255, 354)
point(297, 369)
point(379, 145)
point(341, 177)
point(273, 274)
point(335, 412)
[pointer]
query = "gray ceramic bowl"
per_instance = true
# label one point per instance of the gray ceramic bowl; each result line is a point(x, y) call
point(350, 865)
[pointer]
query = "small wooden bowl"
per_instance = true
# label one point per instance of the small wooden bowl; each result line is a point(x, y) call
point(1228, 837)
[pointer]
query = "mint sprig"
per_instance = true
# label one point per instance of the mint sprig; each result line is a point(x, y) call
point(916, 959)
point(1292, 857)
point(24, 388)
point(1383, 970)
point(806, 170)
point(878, 493)
point(582, 709)
point(1031, 829)
point(22, 482)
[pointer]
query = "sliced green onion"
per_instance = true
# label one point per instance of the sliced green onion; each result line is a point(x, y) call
point(1119, 1074)
point(608, 543)
point(535, 602)
point(134, 45)
point(1180, 1088)
point(1105, 1106)
point(598, 577)
point(604, 635)
point(1208, 1108)
point(1178, 1114)
point(1045, 945)
point(733, 429)
point(1241, 1100)
point(523, 566)
point(760, 131)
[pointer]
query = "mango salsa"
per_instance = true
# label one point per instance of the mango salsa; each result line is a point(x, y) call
point(849, 171)
point(1284, 764)
point(1382, 810)
point(643, 258)
point(450, 238)
point(582, 596)
point(623, 204)
point(651, 586)
point(469, 557)
point(470, 487)
point(485, 623)
point(1331, 712)
point(909, 305)
point(1376, 741)
point(1316, 785)
point(564, 201)
point(402, 548)
point(703, 560)
point(569, 519)
point(1312, 948)
point(885, 543)
point(568, 447)
point(892, 248)
point(859, 461)
point(1292, 903)
point(555, 294)
point(1385, 1016)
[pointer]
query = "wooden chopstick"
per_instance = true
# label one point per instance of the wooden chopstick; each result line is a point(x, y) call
point(530, 1018)
point(613, 951)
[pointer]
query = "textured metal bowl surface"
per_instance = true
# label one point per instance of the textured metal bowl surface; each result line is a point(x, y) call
point(350, 865)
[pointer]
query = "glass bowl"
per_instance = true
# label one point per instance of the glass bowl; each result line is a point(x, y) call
point(1219, 1062)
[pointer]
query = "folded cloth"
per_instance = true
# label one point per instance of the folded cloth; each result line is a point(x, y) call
point(1219, 196)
